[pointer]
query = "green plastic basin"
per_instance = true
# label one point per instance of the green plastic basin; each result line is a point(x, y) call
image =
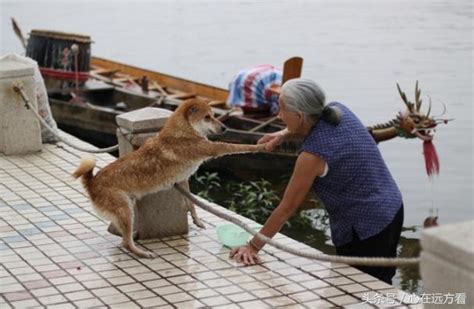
point(232, 235)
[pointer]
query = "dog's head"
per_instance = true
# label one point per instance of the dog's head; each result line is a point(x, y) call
point(201, 117)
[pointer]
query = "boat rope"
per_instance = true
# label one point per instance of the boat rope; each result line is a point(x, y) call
point(351, 260)
point(18, 88)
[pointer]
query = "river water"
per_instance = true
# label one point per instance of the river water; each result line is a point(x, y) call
point(356, 50)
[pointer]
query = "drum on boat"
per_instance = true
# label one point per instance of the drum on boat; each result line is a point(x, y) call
point(63, 58)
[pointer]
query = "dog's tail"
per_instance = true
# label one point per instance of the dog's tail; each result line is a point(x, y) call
point(85, 170)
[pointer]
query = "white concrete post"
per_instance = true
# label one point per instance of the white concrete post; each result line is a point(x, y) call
point(159, 214)
point(20, 131)
point(447, 264)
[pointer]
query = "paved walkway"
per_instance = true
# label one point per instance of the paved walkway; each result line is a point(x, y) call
point(55, 252)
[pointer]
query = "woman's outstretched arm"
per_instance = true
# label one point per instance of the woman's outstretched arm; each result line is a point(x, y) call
point(308, 166)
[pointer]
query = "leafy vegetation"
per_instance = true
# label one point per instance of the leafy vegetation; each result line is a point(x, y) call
point(252, 199)
point(207, 183)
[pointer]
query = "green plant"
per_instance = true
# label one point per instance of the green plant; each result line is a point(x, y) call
point(206, 183)
point(254, 199)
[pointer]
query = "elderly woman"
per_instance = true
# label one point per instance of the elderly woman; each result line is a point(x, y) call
point(341, 162)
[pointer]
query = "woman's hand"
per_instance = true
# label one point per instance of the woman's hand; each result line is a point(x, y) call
point(272, 140)
point(245, 254)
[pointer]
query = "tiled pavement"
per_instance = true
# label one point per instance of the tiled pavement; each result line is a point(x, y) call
point(56, 253)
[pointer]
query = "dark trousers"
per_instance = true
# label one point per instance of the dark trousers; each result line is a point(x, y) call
point(384, 244)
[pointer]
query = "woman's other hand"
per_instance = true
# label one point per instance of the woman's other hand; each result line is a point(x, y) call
point(245, 254)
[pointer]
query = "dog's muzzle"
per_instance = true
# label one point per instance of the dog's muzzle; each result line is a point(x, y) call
point(222, 129)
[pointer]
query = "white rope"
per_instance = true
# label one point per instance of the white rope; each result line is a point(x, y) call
point(18, 88)
point(351, 260)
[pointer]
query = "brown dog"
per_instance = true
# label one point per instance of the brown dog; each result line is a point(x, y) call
point(170, 157)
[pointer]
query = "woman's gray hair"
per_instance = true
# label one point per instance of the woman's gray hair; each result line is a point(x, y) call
point(304, 95)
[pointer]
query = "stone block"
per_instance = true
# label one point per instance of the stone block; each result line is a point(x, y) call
point(20, 131)
point(144, 119)
point(447, 262)
point(129, 141)
point(158, 214)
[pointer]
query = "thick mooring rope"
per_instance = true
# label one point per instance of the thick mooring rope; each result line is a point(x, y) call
point(18, 88)
point(362, 261)
point(351, 260)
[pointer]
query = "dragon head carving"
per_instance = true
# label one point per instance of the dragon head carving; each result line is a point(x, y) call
point(412, 122)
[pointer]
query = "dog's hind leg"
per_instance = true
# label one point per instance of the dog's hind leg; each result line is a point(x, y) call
point(112, 229)
point(191, 207)
point(123, 219)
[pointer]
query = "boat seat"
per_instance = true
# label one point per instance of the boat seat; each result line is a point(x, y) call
point(291, 69)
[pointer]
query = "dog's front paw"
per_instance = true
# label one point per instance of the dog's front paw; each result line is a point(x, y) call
point(199, 223)
point(146, 254)
point(261, 147)
point(150, 255)
point(141, 253)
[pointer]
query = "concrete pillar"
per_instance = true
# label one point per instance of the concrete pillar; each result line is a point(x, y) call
point(159, 214)
point(447, 265)
point(20, 131)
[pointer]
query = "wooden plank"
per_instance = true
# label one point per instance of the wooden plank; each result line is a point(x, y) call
point(264, 124)
point(154, 88)
point(121, 79)
point(217, 103)
point(105, 79)
point(183, 96)
point(159, 88)
point(173, 91)
point(97, 70)
point(133, 82)
point(106, 72)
